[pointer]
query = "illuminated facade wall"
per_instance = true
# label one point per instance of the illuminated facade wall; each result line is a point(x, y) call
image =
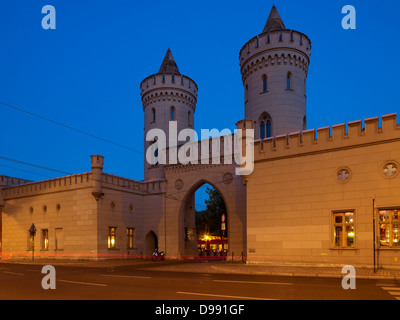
point(310, 200)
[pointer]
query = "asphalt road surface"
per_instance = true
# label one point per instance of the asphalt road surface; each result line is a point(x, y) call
point(24, 282)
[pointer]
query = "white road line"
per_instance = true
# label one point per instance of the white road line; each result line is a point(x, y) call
point(124, 276)
point(256, 282)
point(385, 284)
point(391, 288)
point(16, 273)
point(88, 283)
point(394, 293)
point(222, 296)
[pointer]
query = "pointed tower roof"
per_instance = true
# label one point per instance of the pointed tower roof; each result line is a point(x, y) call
point(274, 21)
point(169, 65)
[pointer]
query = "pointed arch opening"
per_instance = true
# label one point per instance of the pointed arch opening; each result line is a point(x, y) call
point(205, 223)
point(265, 83)
point(265, 122)
point(289, 81)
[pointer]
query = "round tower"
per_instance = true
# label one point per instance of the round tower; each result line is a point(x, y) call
point(274, 67)
point(166, 96)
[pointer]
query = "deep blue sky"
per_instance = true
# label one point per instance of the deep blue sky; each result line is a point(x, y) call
point(87, 72)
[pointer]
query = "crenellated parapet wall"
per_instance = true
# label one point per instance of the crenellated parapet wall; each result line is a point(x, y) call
point(326, 139)
point(78, 181)
point(158, 87)
point(134, 186)
point(274, 48)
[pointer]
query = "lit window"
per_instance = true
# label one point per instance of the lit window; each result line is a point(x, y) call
point(343, 232)
point(45, 239)
point(129, 234)
point(389, 226)
point(112, 237)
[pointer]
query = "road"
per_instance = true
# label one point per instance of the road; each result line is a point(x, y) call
point(23, 282)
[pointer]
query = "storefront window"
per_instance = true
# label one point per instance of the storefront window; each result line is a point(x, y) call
point(344, 233)
point(389, 226)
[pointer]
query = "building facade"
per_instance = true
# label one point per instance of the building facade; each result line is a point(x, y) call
point(328, 196)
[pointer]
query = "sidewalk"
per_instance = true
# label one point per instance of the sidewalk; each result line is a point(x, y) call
point(220, 267)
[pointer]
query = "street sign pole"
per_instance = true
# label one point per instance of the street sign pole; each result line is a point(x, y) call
point(32, 231)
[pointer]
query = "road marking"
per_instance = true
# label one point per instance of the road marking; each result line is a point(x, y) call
point(379, 284)
point(394, 293)
point(222, 296)
point(88, 283)
point(125, 276)
point(256, 282)
point(16, 273)
point(390, 288)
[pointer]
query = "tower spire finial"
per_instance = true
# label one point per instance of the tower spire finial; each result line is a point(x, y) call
point(169, 65)
point(274, 21)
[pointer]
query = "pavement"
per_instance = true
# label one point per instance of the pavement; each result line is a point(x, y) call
point(221, 267)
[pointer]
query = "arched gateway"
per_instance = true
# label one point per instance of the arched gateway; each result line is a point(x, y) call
point(177, 231)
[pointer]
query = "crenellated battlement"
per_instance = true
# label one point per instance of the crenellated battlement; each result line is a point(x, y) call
point(337, 137)
point(276, 47)
point(78, 181)
point(175, 86)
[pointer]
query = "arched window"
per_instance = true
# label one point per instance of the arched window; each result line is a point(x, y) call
point(246, 93)
point(154, 114)
point(265, 126)
point(172, 113)
point(289, 81)
point(265, 83)
point(189, 116)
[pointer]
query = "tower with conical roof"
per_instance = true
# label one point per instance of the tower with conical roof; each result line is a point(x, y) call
point(274, 68)
point(166, 96)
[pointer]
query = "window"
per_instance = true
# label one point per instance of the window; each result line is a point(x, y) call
point(304, 123)
point(289, 81)
point(343, 233)
point(246, 93)
point(153, 114)
point(265, 83)
point(172, 113)
point(129, 235)
point(189, 116)
point(154, 152)
point(389, 226)
point(112, 237)
point(59, 239)
point(45, 239)
point(265, 127)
